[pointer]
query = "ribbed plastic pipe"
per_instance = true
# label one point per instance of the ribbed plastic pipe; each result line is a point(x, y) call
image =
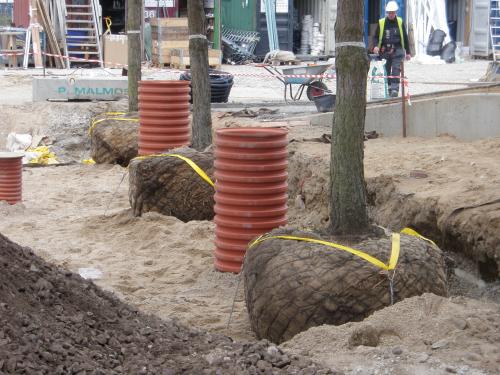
point(163, 116)
point(250, 189)
point(11, 173)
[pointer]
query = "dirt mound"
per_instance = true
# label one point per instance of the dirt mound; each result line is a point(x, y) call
point(54, 322)
point(421, 335)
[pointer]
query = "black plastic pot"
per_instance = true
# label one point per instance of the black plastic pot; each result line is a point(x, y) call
point(448, 52)
point(325, 103)
point(220, 85)
point(435, 43)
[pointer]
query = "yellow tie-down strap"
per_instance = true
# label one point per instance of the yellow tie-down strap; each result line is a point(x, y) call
point(191, 163)
point(414, 233)
point(376, 262)
point(114, 115)
point(395, 248)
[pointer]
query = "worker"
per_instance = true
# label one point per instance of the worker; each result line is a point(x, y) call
point(391, 43)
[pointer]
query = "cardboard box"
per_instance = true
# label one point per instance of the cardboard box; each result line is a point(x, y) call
point(115, 50)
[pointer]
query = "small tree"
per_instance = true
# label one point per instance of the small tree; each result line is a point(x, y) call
point(134, 15)
point(348, 211)
point(200, 81)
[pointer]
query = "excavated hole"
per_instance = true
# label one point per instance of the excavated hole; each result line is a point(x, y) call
point(488, 269)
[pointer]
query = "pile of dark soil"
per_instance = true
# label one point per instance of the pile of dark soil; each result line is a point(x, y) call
point(54, 322)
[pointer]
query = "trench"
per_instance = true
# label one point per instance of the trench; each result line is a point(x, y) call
point(467, 232)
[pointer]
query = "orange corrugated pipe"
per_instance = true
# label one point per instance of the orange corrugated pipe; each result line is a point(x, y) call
point(11, 172)
point(163, 116)
point(250, 189)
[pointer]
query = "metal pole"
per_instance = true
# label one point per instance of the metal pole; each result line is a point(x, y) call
point(403, 96)
point(44, 56)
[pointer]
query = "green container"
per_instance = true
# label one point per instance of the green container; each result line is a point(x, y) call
point(238, 14)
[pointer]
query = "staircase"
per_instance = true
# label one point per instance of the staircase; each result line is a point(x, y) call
point(495, 29)
point(82, 33)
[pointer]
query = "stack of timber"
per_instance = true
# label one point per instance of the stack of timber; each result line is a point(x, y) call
point(170, 44)
point(47, 24)
point(179, 58)
point(168, 33)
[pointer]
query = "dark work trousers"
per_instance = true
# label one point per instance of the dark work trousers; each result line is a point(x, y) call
point(393, 67)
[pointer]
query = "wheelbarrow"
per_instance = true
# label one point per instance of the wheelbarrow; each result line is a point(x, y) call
point(307, 77)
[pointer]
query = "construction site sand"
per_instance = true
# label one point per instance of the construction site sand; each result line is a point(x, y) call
point(78, 216)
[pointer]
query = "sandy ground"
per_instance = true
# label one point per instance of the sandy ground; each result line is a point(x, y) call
point(78, 216)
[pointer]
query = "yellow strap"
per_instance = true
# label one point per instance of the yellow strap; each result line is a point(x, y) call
point(108, 24)
point(376, 262)
point(115, 113)
point(88, 161)
point(414, 233)
point(393, 260)
point(95, 122)
point(395, 248)
point(191, 163)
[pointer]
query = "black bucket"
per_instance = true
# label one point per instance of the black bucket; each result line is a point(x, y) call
point(325, 103)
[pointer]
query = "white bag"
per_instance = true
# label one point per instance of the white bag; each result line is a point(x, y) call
point(18, 142)
point(378, 82)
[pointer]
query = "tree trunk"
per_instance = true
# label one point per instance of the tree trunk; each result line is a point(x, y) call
point(348, 212)
point(200, 82)
point(134, 17)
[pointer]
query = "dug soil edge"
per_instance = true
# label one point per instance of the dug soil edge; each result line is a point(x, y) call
point(458, 226)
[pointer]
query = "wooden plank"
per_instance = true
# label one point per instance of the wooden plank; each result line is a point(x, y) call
point(49, 31)
point(159, 60)
point(180, 21)
point(180, 57)
point(171, 44)
point(35, 35)
point(11, 45)
point(61, 11)
point(27, 43)
point(215, 53)
point(170, 34)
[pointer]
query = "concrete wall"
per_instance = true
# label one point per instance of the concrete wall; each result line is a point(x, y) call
point(465, 116)
point(75, 87)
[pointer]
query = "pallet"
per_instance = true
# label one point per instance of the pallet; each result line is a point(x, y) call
point(161, 65)
point(280, 63)
point(180, 57)
point(169, 22)
point(186, 66)
point(10, 66)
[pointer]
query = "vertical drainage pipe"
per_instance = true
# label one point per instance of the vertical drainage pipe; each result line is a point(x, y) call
point(163, 116)
point(11, 172)
point(250, 189)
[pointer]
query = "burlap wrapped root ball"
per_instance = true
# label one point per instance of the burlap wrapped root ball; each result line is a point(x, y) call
point(168, 185)
point(292, 285)
point(114, 138)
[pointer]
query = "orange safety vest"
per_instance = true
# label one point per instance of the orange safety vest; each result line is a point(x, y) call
point(381, 23)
